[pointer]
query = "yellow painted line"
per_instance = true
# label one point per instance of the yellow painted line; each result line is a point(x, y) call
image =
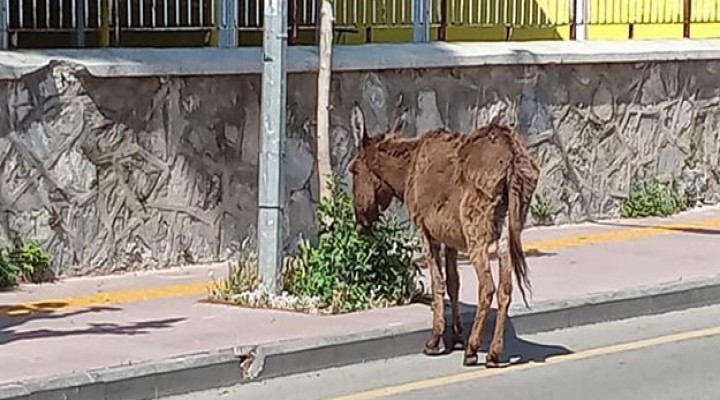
point(621, 235)
point(197, 288)
point(105, 299)
point(614, 236)
point(486, 373)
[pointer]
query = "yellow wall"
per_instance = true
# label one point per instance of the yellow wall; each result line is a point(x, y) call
point(609, 19)
point(651, 19)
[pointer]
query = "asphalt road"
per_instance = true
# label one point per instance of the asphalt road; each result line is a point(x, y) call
point(681, 370)
point(668, 357)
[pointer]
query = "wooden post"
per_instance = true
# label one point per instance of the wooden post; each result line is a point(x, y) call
point(578, 28)
point(442, 29)
point(105, 23)
point(116, 10)
point(687, 10)
point(292, 22)
point(323, 96)
point(573, 22)
point(318, 8)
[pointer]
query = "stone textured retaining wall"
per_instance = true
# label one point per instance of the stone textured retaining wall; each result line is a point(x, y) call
point(129, 173)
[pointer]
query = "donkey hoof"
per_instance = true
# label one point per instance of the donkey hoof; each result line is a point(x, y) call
point(434, 348)
point(470, 360)
point(494, 362)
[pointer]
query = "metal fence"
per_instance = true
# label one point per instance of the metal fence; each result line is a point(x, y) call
point(652, 11)
point(129, 15)
point(459, 12)
point(108, 21)
point(399, 13)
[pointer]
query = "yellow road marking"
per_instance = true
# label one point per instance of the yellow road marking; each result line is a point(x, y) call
point(197, 288)
point(486, 373)
point(621, 235)
point(105, 299)
point(616, 236)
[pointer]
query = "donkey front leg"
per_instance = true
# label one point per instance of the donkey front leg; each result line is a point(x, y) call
point(435, 345)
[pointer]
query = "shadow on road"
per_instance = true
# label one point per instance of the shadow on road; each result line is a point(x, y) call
point(519, 350)
point(9, 324)
point(514, 346)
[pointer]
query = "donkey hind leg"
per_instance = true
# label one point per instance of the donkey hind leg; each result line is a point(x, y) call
point(453, 287)
point(479, 231)
point(504, 293)
point(435, 345)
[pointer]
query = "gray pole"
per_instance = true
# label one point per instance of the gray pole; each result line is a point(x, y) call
point(79, 32)
point(421, 21)
point(4, 26)
point(271, 183)
point(228, 33)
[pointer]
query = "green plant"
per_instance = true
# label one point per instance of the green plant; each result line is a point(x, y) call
point(242, 275)
point(541, 210)
point(25, 262)
point(9, 272)
point(343, 272)
point(242, 285)
point(652, 198)
point(34, 262)
point(347, 271)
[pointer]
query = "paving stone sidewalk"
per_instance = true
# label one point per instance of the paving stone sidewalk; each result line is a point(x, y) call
point(88, 323)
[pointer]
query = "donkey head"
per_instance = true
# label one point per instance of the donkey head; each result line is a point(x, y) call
point(371, 193)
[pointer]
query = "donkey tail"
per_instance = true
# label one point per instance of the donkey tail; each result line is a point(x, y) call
point(523, 180)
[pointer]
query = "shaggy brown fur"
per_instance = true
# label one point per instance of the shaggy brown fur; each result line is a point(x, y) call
point(459, 191)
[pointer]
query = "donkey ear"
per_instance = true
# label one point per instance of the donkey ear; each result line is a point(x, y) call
point(357, 122)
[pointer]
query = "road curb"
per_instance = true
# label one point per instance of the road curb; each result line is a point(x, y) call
point(226, 367)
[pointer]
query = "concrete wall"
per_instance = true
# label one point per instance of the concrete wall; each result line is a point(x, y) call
point(124, 160)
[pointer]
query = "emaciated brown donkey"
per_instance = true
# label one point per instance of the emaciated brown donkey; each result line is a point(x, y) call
point(465, 191)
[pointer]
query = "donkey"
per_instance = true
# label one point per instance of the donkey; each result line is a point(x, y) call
point(465, 191)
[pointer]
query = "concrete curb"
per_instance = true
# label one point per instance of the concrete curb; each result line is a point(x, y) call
point(146, 62)
point(228, 367)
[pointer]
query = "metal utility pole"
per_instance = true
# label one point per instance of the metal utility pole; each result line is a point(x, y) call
point(271, 182)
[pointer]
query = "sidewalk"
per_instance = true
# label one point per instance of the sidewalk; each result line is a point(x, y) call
point(90, 323)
